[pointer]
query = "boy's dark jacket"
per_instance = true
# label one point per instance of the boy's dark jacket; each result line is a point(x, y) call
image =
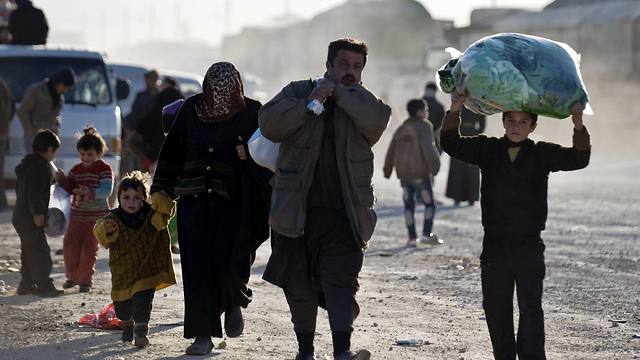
point(34, 178)
point(514, 194)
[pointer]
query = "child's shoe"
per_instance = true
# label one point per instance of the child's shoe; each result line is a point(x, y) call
point(68, 284)
point(411, 242)
point(85, 288)
point(127, 331)
point(431, 239)
point(24, 289)
point(49, 291)
point(140, 332)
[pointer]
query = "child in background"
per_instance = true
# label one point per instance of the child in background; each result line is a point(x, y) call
point(139, 253)
point(414, 154)
point(33, 186)
point(91, 183)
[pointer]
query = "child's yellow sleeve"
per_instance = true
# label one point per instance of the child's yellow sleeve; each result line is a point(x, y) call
point(165, 209)
point(100, 231)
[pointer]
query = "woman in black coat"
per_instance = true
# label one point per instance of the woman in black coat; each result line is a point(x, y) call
point(222, 203)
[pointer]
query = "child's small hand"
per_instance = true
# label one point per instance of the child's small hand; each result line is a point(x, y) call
point(576, 115)
point(59, 176)
point(240, 149)
point(38, 220)
point(111, 226)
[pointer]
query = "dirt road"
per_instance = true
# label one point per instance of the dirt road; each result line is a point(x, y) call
point(433, 295)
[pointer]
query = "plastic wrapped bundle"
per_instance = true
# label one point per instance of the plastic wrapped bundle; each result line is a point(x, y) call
point(516, 72)
point(58, 213)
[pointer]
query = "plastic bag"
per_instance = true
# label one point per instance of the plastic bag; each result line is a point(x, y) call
point(516, 72)
point(106, 319)
point(58, 212)
point(263, 151)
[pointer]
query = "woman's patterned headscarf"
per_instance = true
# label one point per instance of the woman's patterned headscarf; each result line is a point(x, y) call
point(223, 93)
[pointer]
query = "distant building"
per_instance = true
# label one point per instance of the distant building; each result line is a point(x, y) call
point(398, 33)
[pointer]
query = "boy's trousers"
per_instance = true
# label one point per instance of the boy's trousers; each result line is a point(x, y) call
point(137, 308)
point(421, 190)
point(35, 255)
point(509, 260)
point(80, 250)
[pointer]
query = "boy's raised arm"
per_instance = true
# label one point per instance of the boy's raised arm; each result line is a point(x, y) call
point(467, 149)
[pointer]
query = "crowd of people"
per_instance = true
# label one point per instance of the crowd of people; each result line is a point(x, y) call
point(188, 158)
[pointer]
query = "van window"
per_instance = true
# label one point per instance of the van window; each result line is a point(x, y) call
point(92, 86)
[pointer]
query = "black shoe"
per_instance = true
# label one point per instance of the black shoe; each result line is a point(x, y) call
point(140, 332)
point(68, 284)
point(233, 322)
point(85, 288)
point(305, 356)
point(127, 331)
point(26, 289)
point(201, 346)
point(350, 355)
point(49, 292)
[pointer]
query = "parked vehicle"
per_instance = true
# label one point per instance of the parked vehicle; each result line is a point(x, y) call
point(92, 101)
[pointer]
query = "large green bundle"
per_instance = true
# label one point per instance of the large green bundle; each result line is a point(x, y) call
point(516, 72)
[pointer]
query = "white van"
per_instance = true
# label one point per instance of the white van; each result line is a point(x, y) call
point(92, 101)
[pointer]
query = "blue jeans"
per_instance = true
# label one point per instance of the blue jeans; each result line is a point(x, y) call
point(420, 190)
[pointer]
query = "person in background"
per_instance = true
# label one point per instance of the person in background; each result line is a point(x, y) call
point(28, 25)
point(463, 183)
point(436, 110)
point(136, 235)
point(150, 127)
point(42, 104)
point(90, 182)
point(515, 176)
point(413, 153)
point(7, 108)
point(139, 109)
point(33, 188)
point(322, 204)
point(222, 218)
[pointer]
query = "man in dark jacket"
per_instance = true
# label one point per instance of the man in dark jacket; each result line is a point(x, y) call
point(322, 204)
point(28, 25)
point(436, 110)
point(150, 127)
point(34, 179)
point(515, 174)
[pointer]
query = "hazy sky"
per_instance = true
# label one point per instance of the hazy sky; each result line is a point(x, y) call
point(112, 24)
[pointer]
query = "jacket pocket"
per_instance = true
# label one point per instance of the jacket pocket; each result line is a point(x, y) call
point(286, 181)
point(364, 191)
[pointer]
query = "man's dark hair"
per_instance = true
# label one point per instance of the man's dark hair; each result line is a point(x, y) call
point(532, 116)
point(347, 44)
point(91, 139)
point(151, 74)
point(43, 140)
point(414, 105)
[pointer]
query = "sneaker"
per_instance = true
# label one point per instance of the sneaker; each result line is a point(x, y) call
point(431, 239)
point(49, 292)
point(127, 331)
point(233, 322)
point(26, 289)
point(201, 346)
point(140, 332)
point(350, 355)
point(85, 288)
point(68, 284)
point(305, 356)
point(411, 242)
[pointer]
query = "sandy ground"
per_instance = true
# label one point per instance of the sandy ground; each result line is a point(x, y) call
point(433, 295)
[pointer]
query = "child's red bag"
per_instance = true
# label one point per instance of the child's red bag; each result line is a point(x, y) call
point(106, 319)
